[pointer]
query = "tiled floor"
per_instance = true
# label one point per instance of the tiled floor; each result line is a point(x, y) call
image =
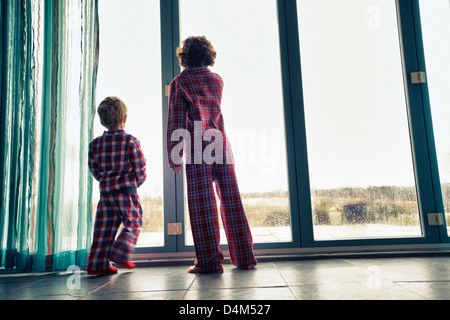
point(357, 278)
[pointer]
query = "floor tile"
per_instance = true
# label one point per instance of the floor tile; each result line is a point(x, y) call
point(392, 278)
point(54, 286)
point(384, 290)
point(431, 290)
point(158, 283)
point(320, 272)
point(263, 275)
point(411, 269)
point(258, 293)
point(151, 279)
point(136, 295)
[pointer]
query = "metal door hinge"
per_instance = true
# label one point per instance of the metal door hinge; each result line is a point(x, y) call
point(418, 77)
point(435, 219)
point(167, 90)
point(174, 229)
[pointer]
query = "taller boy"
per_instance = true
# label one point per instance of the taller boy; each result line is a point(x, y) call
point(194, 105)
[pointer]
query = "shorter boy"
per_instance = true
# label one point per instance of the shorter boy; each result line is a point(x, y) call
point(117, 162)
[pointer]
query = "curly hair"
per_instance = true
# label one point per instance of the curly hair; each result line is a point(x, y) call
point(196, 52)
point(112, 112)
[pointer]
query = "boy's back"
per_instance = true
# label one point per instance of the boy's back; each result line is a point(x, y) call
point(116, 161)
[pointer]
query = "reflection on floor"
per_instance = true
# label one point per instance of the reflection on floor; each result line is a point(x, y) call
point(399, 278)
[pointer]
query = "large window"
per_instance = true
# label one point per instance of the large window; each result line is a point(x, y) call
point(359, 150)
point(435, 17)
point(361, 126)
point(130, 68)
point(245, 36)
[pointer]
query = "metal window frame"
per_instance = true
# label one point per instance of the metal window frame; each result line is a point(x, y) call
point(421, 132)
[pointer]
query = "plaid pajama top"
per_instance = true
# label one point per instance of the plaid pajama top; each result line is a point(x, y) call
point(116, 161)
point(195, 96)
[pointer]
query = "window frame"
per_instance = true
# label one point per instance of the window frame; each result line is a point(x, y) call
point(429, 192)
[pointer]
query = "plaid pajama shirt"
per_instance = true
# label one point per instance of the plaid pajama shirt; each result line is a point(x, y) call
point(195, 97)
point(117, 162)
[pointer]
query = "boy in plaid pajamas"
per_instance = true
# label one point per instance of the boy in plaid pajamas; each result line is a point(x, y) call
point(194, 106)
point(117, 162)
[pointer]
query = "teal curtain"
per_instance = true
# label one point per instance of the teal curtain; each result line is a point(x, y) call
point(48, 63)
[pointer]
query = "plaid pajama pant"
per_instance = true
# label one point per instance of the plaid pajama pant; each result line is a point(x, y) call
point(112, 211)
point(204, 217)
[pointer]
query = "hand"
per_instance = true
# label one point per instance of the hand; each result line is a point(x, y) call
point(177, 169)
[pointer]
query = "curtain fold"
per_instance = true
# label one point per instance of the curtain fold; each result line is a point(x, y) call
point(48, 63)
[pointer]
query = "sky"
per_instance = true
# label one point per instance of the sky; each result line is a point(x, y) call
point(130, 68)
point(357, 129)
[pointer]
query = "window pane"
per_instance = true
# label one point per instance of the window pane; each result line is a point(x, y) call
point(360, 161)
point(130, 68)
point(436, 35)
point(245, 36)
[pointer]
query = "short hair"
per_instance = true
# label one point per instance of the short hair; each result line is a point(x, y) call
point(196, 52)
point(112, 112)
